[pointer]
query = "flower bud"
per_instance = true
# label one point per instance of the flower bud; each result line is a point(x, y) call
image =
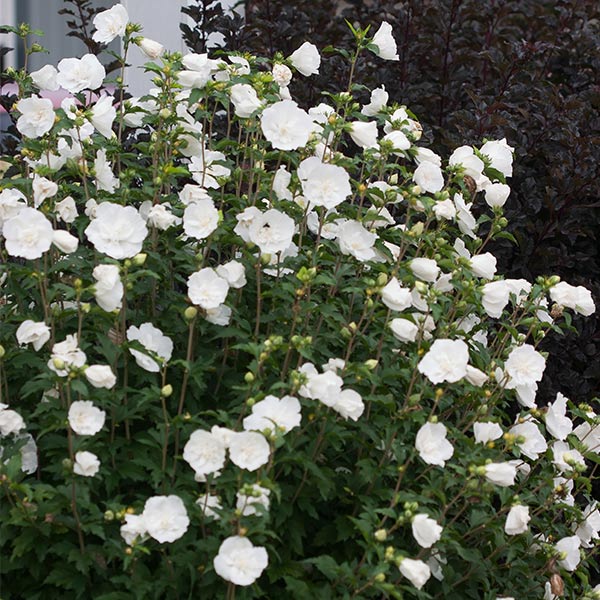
point(139, 259)
point(381, 535)
point(371, 364)
point(109, 515)
point(380, 577)
point(249, 377)
point(190, 313)
point(166, 390)
point(58, 363)
point(2, 351)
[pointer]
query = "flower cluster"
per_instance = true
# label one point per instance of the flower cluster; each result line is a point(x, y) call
point(274, 336)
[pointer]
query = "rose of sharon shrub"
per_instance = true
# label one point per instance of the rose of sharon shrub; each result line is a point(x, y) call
point(251, 347)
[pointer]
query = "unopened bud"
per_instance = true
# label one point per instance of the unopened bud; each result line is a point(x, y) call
point(249, 377)
point(190, 313)
point(166, 390)
point(371, 364)
point(380, 535)
point(139, 259)
point(2, 351)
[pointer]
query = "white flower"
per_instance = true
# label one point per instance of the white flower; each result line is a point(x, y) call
point(577, 298)
point(205, 171)
point(349, 404)
point(557, 423)
point(429, 177)
point(502, 474)
point(416, 571)
point(466, 221)
point(10, 421)
point(426, 530)
point(155, 342)
point(425, 269)
point(251, 497)
point(204, 452)
point(483, 265)
point(64, 241)
point(432, 445)
point(210, 505)
point(517, 520)
point(244, 99)
point(272, 231)
point(200, 218)
point(496, 194)
point(427, 155)
point(273, 414)
point(42, 188)
point(110, 24)
point(588, 434)
point(199, 68)
point(566, 458)
point(378, 100)
point(28, 234)
point(234, 273)
point(534, 443)
point(85, 418)
point(30, 332)
point(240, 562)
point(323, 184)
point(133, 527)
point(37, 116)
point(396, 297)
point(355, 239)
point(86, 464)
point(325, 387)
point(66, 210)
point(77, 74)
point(285, 125)
point(67, 354)
point(446, 360)
point(465, 157)
point(103, 115)
point(45, 78)
point(101, 376)
point(165, 518)
point(192, 193)
point(364, 134)
point(486, 432)
point(495, 298)
point(108, 289)
point(496, 294)
point(306, 59)
point(249, 450)
point(117, 231)
point(282, 74)
point(500, 155)
point(219, 316)
point(524, 365)
point(398, 140)
point(385, 42)
point(475, 376)
point(245, 220)
point(588, 529)
point(11, 202)
point(105, 178)
point(207, 289)
point(569, 549)
point(161, 217)
point(404, 330)
point(281, 182)
point(151, 48)
point(29, 459)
